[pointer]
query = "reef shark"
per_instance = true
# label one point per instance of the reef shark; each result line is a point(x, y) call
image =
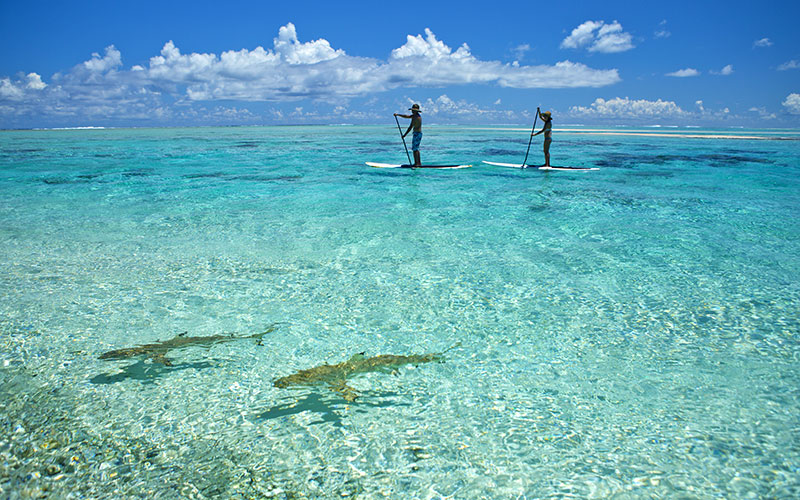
point(335, 376)
point(157, 351)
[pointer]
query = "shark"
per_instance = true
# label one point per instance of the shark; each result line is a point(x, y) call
point(335, 376)
point(157, 351)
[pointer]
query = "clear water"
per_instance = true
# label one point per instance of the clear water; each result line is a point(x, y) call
point(626, 333)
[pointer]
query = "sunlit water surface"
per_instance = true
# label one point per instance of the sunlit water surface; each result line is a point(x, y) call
point(629, 332)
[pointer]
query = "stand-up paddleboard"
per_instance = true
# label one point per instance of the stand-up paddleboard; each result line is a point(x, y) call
point(538, 167)
point(392, 165)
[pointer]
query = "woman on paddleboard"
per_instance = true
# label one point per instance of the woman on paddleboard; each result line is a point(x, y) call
point(416, 125)
point(548, 134)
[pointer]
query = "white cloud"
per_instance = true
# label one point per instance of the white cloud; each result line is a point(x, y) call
point(611, 38)
point(314, 69)
point(443, 105)
point(763, 113)
point(683, 73)
point(628, 108)
point(662, 32)
point(564, 74)
point(792, 104)
point(291, 71)
point(789, 65)
point(581, 36)
point(334, 114)
point(520, 50)
point(294, 52)
point(726, 71)
point(443, 108)
point(35, 82)
point(598, 36)
point(97, 64)
point(764, 42)
point(429, 62)
point(428, 47)
point(15, 91)
point(10, 91)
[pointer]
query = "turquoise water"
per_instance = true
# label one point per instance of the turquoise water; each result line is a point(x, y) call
point(631, 332)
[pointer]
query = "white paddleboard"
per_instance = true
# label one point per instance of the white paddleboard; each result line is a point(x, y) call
point(538, 167)
point(392, 165)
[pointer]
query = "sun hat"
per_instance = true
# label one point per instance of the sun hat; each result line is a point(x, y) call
point(415, 107)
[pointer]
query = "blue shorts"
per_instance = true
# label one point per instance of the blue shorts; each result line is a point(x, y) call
point(416, 139)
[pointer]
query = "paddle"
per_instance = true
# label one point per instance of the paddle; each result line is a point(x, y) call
point(403, 138)
point(531, 139)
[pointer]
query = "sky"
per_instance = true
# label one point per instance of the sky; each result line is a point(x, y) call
point(614, 63)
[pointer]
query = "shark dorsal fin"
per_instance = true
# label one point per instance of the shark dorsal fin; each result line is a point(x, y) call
point(357, 357)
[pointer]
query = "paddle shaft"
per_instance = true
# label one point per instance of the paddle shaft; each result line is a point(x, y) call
point(404, 139)
point(531, 139)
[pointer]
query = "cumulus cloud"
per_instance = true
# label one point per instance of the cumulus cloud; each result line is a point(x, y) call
point(597, 36)
point(429, 62)
point(764, 42)
point(444, 107)
point(34, 82)
point(294, 52)
point(763, 114)
point(727, 70)
point(291, 70)
point(582, 35)
point(630, 108)
point(111, 60)
point(683, 73)
point(520, 50)
point(792, 104)
point(10, 90)
point(17, 90)
point(789, 65)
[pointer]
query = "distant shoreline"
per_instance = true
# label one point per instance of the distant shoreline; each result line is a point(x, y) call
point(688, 132)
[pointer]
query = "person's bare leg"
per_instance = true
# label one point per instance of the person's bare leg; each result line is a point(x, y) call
point(546, 153)
point(417, 161)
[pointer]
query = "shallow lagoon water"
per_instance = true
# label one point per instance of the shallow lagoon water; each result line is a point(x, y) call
point(625, 333)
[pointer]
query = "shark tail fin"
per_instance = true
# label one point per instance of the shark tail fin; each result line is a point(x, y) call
point(259, 336)
point(457, 344)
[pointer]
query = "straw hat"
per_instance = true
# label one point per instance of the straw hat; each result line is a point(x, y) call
point(415, 107)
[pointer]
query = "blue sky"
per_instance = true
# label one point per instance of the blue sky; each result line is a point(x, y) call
point(178, 63)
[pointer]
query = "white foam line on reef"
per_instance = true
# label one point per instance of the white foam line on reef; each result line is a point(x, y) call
point(766, 135)
point(655, 134)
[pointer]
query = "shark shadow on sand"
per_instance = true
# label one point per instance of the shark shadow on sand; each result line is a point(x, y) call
point(157, 351)
point(159, 363)
point(147, 373)
point(328, 408)
point(335, 376)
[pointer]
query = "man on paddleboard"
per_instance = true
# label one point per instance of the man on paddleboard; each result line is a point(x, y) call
point(548, 134)
point(416, 125)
